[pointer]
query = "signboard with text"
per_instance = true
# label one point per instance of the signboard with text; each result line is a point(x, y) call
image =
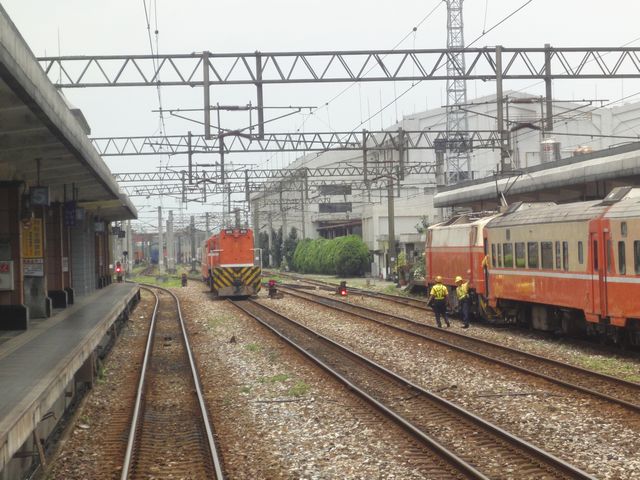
point(33, 267)
point(6, 275)
point(32, 238)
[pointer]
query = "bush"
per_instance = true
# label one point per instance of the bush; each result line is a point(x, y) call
point(343, 256)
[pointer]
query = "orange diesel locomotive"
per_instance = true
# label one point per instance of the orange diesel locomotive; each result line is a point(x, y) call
point(228, 265)
point(573, 268)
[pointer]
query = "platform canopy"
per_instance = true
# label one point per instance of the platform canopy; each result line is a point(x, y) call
point(43, 141)
point(589, 176)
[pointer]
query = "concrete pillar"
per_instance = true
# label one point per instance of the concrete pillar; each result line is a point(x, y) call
point(33, 252)
point(83, 256)
point(14, 314)
point(67, 272)
point(54, 239)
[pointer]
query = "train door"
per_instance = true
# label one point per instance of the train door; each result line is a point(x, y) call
point(597, 274)
point(606, 269)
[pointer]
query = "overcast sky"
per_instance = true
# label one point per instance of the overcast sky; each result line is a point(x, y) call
point(88, 27)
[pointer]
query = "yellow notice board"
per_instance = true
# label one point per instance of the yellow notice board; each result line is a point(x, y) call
point(32, 241)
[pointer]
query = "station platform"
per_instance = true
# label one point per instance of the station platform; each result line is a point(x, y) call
point(38, 365)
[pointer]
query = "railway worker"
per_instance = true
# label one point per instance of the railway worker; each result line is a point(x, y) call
point(438, 295)
point(462, 292)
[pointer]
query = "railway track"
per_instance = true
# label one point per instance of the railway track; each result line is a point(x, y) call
point(610, 389)
point(470, 445)
point(170, 434)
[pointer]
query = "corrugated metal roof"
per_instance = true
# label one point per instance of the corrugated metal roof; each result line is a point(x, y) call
point(530, 214)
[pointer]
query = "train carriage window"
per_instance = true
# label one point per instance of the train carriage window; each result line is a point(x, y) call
point(636, 256)
point(499, 255)
point(595, 255)
point(547, 255)
point(493, 254)
point(608, 257)
point(622, 261)
point(507, 250)
point(565, 255)
point(580, 253)
point(532, 251)
point(558, 258)
point(520, 255)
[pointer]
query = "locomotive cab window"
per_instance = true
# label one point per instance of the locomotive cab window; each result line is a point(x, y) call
point(547, 255)
point(595, 255)
point(532, 251)
point(622, 261)
point(608, 257)
point(499, 255)
point(520, 255)
point(493, 254)
point(507, 250)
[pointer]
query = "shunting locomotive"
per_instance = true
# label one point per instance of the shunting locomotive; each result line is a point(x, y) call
point(229, 263)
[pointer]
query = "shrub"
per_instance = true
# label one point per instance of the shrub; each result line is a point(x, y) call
point(343, 256)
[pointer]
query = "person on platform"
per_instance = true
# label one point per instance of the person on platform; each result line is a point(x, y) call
point(438, 301)
point(464, 301)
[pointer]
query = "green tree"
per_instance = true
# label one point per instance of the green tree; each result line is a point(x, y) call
point(290, 244)
point(276, 248)
point(263, 244)
point(351, 256)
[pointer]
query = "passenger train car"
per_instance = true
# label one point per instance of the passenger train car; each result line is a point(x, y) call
point(228, 265)
point(573, 268)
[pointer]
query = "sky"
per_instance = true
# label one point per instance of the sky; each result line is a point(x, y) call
point(89, 27)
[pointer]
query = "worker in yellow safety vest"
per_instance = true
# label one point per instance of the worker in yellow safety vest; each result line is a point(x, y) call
point(464, 300)
point(438, 295)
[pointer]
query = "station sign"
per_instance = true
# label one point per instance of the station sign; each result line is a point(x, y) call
point(33, 267)
point(65, 264)
point(32, 238)
point(115, 230)
point(6, 275)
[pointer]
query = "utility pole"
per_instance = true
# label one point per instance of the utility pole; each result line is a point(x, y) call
point(131, 253)
point(160, 242)
point(192, 234)
point(171, 258)
point(270, 218)
point(302, 214)
point(391, 220)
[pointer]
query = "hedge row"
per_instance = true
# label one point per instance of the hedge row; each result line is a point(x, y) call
point(344, 256)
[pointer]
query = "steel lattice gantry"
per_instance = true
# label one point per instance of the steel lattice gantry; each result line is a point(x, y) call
point(286, 142)
point(458, 158)
point(201, 69)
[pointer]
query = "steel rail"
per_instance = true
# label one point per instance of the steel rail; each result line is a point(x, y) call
point(213, 451)
point(353, 310)
point(531, 449)
point(432, 443)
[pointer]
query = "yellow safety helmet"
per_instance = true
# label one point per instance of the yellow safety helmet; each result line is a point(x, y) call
point(458, 279)
point(438, 279)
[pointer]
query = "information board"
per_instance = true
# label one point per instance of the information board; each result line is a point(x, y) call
point(32, 239)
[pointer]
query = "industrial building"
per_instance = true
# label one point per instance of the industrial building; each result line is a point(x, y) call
point(348, 207)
